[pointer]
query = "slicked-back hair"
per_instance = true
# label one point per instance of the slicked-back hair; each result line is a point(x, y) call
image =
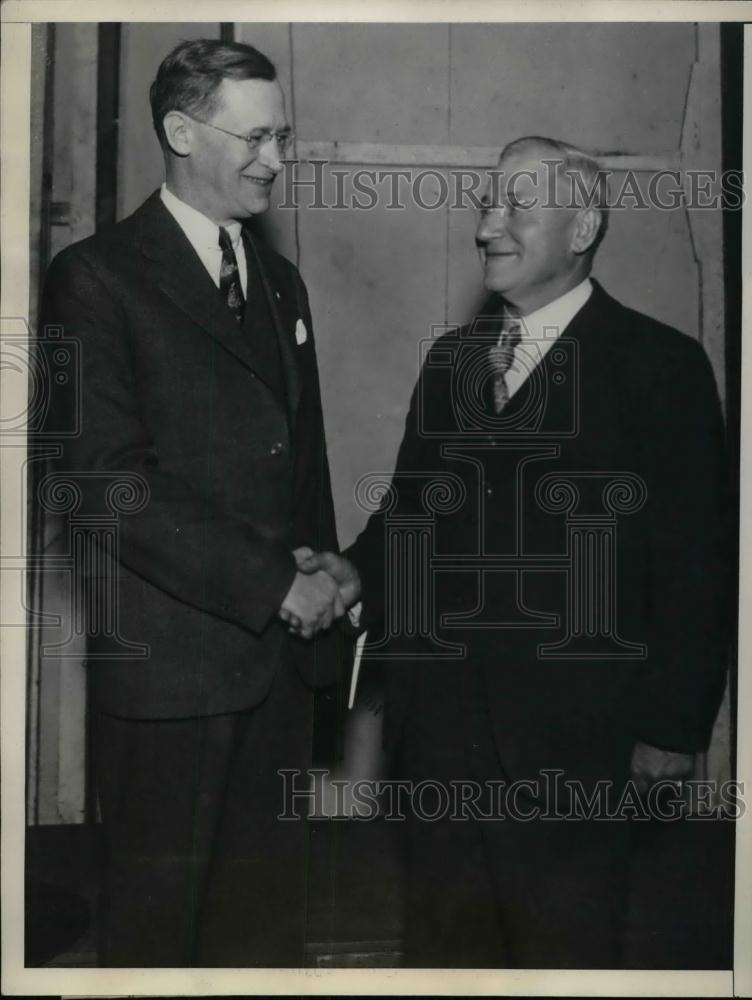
point(189, 78)
point(572, 163)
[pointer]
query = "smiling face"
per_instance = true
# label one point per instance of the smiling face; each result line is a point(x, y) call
point(531, 251)
point(217, 173)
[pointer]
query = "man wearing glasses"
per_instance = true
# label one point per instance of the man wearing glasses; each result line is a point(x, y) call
point(541, 706)
point(199, 383)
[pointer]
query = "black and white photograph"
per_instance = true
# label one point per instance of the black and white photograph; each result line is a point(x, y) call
point(373, 453)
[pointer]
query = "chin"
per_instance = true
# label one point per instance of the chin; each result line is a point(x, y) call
point(493, 284)
point(258, 206)
point(498, 279)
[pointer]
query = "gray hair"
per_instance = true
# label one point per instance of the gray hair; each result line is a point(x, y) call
point(588, 181)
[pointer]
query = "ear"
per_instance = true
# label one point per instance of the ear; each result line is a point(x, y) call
point(586, 228)
point(178, 132)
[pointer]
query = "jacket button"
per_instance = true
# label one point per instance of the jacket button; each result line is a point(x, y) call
point(276, 448)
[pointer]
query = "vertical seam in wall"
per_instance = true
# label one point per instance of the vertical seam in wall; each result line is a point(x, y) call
point(682, 142)
point(296, 210)
point(449, 141)
point(695, 251)
point(700, 269)
point(34, 661)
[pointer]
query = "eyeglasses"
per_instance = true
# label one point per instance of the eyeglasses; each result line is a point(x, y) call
point(508, 207)
point(257, 138)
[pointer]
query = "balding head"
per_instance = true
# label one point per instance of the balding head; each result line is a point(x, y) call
point(580, 180)
point(544, 217)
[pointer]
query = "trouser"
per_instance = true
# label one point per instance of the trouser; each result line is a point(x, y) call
point(506, 891)
point(198, 869)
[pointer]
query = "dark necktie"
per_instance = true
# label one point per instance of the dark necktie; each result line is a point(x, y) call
point(229, 277)
point(500, 357)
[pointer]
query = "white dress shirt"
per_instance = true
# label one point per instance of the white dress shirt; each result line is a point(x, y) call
point(203, 235)
point(541, 329)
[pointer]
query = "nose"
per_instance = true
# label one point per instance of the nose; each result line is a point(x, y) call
point(491, 225)
point(269, 154)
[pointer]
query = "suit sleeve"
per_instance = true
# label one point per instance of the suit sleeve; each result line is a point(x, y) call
point(690, 558)
point(178, 541)
point(368, 552)
point(314, 516)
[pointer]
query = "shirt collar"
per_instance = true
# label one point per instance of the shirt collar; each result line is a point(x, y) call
point(199, 228)
point(551, 320)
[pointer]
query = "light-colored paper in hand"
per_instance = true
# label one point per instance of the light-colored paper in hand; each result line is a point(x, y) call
point(356, 669)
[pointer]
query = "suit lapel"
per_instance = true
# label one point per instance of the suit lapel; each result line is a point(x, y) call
point(542, 388)
point(535, 395)
point(287, 351)
point(180, 274)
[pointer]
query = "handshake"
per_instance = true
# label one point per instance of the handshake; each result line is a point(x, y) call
point(325, 586)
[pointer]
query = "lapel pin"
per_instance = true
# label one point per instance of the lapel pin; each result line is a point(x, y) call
point(301, 334)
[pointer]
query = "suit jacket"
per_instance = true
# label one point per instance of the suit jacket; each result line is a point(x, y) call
point(620, 399)
point(224, 427)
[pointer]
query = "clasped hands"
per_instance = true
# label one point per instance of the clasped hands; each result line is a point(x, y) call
point(325, 586)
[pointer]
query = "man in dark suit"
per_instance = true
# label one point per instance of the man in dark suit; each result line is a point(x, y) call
point(572, 556)
point(199, 394)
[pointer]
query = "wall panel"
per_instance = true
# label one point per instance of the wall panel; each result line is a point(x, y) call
point(603, 86)
point(55, 789)
point(278, 228)
point(376, 82)
point(143, 47)
point(377, 282)
point(645, 258)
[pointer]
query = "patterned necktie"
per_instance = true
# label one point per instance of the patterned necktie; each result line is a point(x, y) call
point(501, 356)
point(229, 277)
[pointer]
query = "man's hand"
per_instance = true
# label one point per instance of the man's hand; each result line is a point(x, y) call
point(650, 765)
point(312, 603)
point(339, 568)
